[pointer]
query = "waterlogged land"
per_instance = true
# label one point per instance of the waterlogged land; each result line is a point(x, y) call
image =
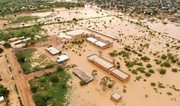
point(148, 51)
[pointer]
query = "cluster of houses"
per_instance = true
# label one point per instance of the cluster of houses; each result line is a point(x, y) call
point(97, 60)
point(18, 42)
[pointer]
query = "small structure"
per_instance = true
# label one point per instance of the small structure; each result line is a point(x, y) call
point(52, 50)
point(101, 62)
point(13, 39)
point(2, 42)
point(1, 99)
point(119, 74)
point(108, 67)
point(62, 58)
point(18, 42)
point(116, 97)
point(64, 36)
point(76, 34)
point(99, 42)
point(83, 75)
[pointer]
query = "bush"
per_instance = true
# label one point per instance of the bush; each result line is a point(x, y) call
point(82, 83)
point(151, 71)
point(158, 62)
point(174, 69)
point(160, 85)
point(134, 71)
point(124, 91)
point(49, 66)
point(7, 45)
point(33, 88)
point(130, 64)
point(169, 93)
point(138, 78)
point(59, 68)
point(153, 84)
point(178, 63)
point(148, 74)
point(163, 56)
point(40, 99)
point(162, 71)
point(54, 79)
point(148, 65)
point(3, 91)
point(1, 50)
point(166, 64)
point(110, 85)
point(145, 58)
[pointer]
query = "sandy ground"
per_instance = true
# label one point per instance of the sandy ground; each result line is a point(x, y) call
point(128, 33)
point(93, 95)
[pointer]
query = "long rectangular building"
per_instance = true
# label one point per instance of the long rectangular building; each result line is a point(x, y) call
point(98, 42)
point(109, 67)
point(83, 75)
point(101, 62)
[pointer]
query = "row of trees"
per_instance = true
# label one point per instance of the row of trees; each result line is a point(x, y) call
point(19, 6)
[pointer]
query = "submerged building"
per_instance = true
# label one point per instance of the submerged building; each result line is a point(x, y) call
point(108, 67)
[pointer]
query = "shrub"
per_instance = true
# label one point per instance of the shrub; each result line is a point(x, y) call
point(130, 64)
point(166, 64)
point(178, 63)
point(145, 58)
point(162, 71)
point(1, 50)
point(7, 45)
point(160, 85)
point(151, 70)
point(59, 68)
point(118, 66)
point(169, 93)
point(163, 56)
point(134, 71)
point(49, 66)
point(82, 83)
point(174, 69)
point(124, 90)
point(110, 85)
point(153, 84)
point(138, 78)
point(148, 65)
point(54, 79)
point(33, 88)
point(148, 74)
point(158, 62)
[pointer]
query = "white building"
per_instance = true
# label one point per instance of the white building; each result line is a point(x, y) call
point(52, 50)
point(116, 97)
point(62, 58)
point(1, 99)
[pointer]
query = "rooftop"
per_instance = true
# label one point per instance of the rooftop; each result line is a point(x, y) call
point(1, 98)
point(75, 32)
point(83, 75)
point(119, 73)
point(116, 96)
point(101, 61)
point(62, 58)
point(52, 50)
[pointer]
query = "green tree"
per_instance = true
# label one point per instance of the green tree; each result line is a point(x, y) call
point(163, 56)
point(1, 50)
point(54, 79)
point(162, 71)
point(59, 68)
point(3, 91)
point(7, 45)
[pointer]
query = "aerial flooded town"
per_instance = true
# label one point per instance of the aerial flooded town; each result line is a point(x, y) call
point(89, 52)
